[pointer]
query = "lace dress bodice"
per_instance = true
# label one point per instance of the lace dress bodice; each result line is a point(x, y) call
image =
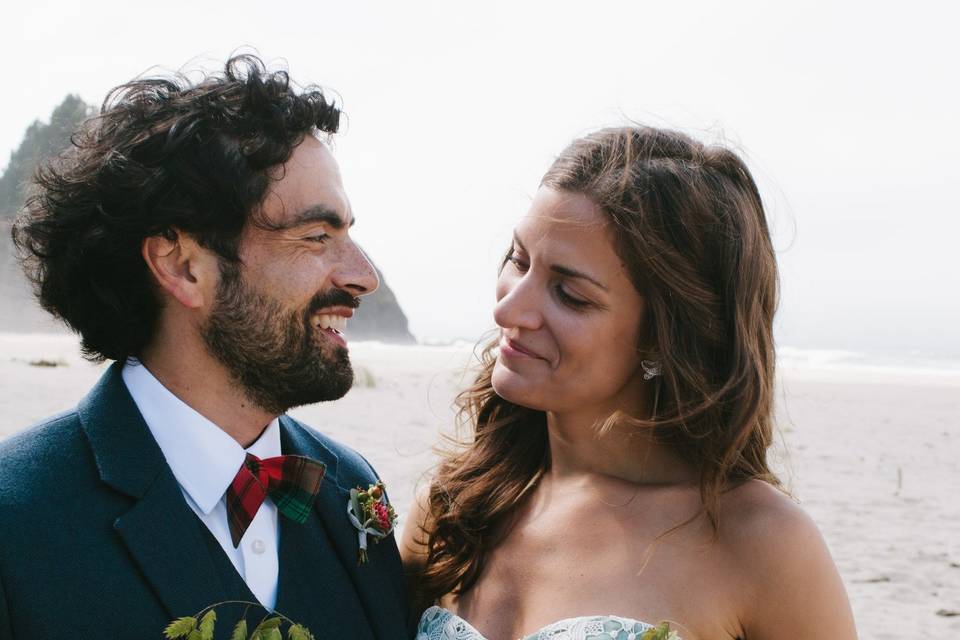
point(439, 624)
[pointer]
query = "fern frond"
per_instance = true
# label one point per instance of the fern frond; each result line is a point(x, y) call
point(240, 631)
point(180, 628)
point(207, 623)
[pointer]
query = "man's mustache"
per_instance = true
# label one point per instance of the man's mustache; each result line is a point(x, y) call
point(333, 298)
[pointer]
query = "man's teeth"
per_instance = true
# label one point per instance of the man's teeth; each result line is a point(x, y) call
point(331, 321)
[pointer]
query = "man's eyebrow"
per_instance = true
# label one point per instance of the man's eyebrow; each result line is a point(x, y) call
point(313, 215)
point(564, 271)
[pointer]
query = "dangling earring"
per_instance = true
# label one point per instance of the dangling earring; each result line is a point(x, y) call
point(651, 369)
point(656, 399)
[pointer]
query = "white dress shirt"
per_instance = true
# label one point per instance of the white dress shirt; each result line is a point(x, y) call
point(204, 460)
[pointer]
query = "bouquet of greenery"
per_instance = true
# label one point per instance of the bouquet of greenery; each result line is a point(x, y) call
point(201, 626)
point(660, 632)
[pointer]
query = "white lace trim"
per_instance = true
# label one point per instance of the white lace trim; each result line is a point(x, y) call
point(440, 624)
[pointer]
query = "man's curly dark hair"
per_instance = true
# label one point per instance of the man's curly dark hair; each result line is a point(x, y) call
point(164, 155)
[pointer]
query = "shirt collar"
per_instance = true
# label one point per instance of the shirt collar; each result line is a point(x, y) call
point(203, 457)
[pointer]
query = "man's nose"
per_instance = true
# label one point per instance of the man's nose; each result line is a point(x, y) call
point(356, 273)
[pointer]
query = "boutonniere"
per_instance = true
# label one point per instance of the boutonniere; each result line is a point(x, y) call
point(371, 515)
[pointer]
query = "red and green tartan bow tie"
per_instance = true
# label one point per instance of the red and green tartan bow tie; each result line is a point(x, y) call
point(291, 481)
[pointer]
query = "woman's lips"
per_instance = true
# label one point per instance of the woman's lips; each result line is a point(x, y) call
point(513, 349)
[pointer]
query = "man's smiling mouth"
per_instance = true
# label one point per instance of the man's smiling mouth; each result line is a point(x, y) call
point(332, 325)
point(330, 321)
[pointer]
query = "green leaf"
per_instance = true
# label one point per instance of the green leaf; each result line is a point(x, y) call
point(207, 622)
point(256, 635)
point(180, 628)
point(660, 632)
point(299, 632)
point(240, 631)
point(195, 635)
point(354, 500)
point(272, 634)
point(269, 623)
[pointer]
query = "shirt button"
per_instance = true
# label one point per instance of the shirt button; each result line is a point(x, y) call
point(258, 546)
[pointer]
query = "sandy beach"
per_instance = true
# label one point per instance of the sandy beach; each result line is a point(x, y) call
point(872, 454)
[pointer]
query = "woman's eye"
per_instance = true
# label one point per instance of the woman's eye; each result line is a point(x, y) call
point(569, 300)
point(517, 262)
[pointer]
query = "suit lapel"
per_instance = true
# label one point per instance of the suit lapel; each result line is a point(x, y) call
point(162, 534)
point(382, 605)
point(314, 588)
point(159, 530)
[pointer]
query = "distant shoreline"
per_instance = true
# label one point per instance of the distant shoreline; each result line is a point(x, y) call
point(821, 364)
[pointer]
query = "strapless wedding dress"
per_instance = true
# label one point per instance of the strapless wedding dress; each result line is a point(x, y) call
point(440, 624)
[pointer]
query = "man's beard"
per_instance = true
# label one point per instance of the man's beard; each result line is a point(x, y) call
point(276, 355)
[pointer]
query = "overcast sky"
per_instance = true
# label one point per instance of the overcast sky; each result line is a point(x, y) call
point(846, 111)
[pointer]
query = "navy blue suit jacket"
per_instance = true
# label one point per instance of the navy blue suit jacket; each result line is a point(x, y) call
point(97, 540)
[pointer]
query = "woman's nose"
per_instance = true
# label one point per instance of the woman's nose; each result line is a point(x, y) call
point(518, 305)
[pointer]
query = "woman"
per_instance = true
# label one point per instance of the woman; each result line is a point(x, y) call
point(617, 473)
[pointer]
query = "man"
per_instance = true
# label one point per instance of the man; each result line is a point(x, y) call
point(197, 234)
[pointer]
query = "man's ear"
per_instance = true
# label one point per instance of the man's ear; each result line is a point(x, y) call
point(181, 267)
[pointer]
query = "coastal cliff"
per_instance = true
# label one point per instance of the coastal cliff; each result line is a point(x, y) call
point(378, 318)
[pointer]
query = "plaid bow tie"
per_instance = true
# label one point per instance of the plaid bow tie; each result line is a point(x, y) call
point(291, 481)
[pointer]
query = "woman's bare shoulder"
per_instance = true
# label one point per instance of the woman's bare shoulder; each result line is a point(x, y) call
point(791, 585)
point(756, 503)
point(765, 525)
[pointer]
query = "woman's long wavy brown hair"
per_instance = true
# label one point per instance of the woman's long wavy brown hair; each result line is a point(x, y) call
point(691, 229)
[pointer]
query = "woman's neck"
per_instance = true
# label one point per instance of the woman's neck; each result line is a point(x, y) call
point(581, 450)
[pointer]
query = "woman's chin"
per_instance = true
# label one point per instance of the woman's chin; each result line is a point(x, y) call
point(516, 388)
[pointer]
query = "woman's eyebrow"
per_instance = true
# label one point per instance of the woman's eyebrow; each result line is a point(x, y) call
point(573, 273)
point(562, 270)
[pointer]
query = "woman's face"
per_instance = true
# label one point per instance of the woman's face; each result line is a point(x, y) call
point(568, 313)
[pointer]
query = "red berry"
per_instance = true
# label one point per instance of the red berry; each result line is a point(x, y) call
point(383, 516)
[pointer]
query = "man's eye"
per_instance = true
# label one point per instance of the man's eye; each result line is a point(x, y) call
point(322, 238)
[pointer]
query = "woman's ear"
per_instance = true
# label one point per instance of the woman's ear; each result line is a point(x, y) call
point(181, 267)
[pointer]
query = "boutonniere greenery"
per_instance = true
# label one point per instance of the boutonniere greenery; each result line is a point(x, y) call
point(371, 515)
point(201, 626)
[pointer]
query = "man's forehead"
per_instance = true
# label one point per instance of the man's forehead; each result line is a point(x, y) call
point(308, 190)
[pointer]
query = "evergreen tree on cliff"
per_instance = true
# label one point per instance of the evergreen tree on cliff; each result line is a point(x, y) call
point(41, 141)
